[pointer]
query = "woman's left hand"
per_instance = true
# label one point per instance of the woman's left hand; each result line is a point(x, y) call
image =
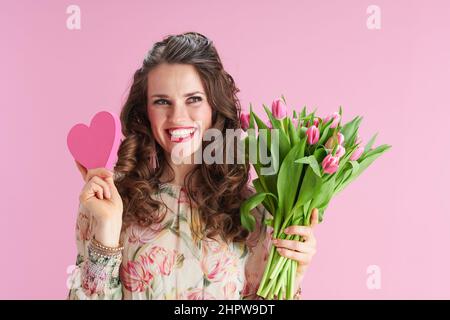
point(300, 251)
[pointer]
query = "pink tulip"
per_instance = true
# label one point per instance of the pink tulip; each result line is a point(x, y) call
point(357, 154)
point(330, 164)
point(341, 139)
point(340, 151)
point(358, 139)
point(245, 121)
point(279, 109)
point(295, 122)
point(316, 122)
point(331, 143)
point(313, 135)
point(336, 118)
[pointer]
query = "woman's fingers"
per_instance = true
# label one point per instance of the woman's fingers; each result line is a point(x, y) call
point(105, 186)
point(314, 217)
point(300, 257)
point(101, 172)
point(112, 187)
point(90, 189)
point(294, 245)
point(305, 232)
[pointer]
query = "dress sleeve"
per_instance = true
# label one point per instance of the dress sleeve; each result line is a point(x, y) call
point(93, 277)
point(258, 244)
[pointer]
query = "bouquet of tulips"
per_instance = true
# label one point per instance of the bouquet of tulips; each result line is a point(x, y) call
point(312, 159)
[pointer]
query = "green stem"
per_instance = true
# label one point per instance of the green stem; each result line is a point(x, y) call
point(280, 283)
point(266, 273)
point(293, 279)
point(289, 282)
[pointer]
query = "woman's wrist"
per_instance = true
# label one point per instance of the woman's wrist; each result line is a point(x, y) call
point(108, 233)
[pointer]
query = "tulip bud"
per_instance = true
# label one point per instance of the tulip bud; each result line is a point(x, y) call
point(316, 122)
point(331, 142)
point(358, 139)
point(357, 154)
point(336, 118)
point(341, 139)
point(313, 135)
point(330, 164)
point(279, 109)
point(295, 122)
point(245, 121)
point(340, 151)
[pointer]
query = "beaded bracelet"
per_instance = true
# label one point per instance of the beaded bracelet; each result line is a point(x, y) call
point(100, 250)
point(105, 248)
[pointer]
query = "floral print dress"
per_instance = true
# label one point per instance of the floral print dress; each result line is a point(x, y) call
point(168, 261)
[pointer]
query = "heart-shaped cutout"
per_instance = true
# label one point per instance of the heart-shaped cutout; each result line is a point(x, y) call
point(96, 145)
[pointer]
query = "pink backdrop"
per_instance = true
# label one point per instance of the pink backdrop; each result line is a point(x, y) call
point(318, 53)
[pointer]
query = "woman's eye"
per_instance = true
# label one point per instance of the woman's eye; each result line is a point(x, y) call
point(160, 100)
point(199, 99)
point(163, 101)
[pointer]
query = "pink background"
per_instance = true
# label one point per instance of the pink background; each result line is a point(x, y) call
point(318, 53)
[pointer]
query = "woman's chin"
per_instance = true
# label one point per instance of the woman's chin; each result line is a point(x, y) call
point(182, 153)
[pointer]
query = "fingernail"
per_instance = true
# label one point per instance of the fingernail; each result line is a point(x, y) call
point(287, 230)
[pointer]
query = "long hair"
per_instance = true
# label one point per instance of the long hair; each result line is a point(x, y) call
point(223, 187)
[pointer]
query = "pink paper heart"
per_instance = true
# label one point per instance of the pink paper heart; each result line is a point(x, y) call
point(97, 145)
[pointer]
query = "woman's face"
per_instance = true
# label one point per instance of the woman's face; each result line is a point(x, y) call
point(178, 109)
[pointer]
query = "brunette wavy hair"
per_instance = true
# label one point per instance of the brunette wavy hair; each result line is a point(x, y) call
point(223, 187)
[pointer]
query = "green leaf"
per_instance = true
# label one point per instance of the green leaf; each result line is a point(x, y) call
point(379, 149)
point(252, 118)
point(323, 195)
point(310, 184)
point(293, 135)
point(312, 161)
point(349, 130)
point(370, 143)
point(276, 124)
point(260, 123)
point(303, 113)
point(364, 164)
point(324, 133)
point(344, 159)
point(247, 219)
point(268, 222)
point(289, 178)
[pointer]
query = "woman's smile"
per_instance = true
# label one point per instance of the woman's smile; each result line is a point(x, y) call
point(180, 134)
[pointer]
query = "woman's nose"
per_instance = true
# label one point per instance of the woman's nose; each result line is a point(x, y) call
point(179, 112)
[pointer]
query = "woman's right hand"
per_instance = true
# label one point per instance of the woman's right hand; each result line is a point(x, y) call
point(102, 199)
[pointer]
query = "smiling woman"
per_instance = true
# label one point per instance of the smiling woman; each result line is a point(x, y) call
point(161, 229)
point(180, 116)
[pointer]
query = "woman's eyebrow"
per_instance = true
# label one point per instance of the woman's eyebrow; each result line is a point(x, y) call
point(186, 95)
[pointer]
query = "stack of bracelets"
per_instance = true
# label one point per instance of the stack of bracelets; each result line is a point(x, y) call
point(102, 251)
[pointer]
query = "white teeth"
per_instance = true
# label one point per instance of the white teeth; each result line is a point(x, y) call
point(181, 133)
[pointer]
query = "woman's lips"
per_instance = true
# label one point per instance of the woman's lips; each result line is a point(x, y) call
point(180, 134)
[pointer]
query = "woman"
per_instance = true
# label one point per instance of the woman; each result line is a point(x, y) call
point(163, 226)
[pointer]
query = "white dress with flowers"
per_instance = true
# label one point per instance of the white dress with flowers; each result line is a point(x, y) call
point(167, 260)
